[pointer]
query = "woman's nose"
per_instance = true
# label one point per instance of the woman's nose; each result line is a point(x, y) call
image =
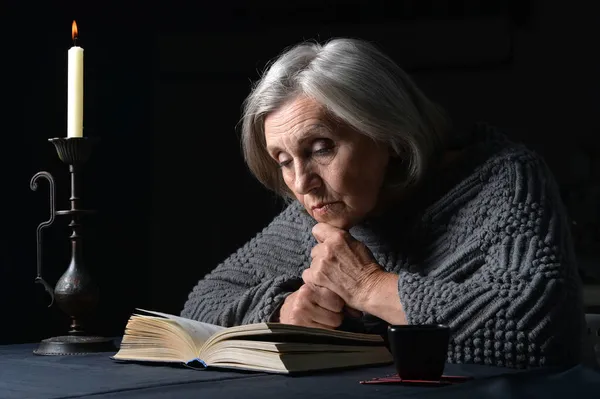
point(306, 180)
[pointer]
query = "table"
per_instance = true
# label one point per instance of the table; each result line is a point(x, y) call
point(24, 375)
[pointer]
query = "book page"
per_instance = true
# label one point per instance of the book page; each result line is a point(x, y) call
point(285, 332)
point(199, 332)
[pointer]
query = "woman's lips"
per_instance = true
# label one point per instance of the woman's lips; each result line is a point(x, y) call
point(323, 209)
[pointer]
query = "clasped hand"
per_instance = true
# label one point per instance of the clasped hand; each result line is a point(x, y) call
point(342, 275)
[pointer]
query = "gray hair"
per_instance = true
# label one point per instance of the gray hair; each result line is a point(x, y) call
point(359, 86)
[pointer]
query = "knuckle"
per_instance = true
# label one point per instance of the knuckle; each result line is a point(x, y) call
point(337, 319)
point(299, 307)
point(328, 251)
point(338, 303)
point(314, 252)
point(305, 275)
point(303, 294)
point(318, 278)
point(304, 291)
point(339, 237)
point(315, 267)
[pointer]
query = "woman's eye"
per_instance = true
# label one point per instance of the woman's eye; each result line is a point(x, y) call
point(322, 147)
point(285, 163)
point(322, 151)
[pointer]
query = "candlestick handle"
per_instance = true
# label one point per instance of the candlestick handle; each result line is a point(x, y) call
point(34, 185)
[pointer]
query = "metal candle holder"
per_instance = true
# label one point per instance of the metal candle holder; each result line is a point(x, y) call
point(75, 293)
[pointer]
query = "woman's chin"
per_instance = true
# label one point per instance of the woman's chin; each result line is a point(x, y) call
point(338, 222)
point(333, 215)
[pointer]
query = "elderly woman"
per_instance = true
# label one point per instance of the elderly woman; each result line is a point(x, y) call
point(393, 219)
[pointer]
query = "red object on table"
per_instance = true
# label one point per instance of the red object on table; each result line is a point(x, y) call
point(395, 379)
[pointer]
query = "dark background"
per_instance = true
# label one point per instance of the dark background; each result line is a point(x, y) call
point(163, 92)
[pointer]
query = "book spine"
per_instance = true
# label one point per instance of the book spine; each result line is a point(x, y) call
point(196, 363)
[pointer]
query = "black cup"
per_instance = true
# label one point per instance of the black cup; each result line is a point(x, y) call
point(419, 351)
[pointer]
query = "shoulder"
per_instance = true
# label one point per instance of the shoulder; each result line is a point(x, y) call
point(498, 149)
point(519, 195)
point(501, 187)
point(513, 169)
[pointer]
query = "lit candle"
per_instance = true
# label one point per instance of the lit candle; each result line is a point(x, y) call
point(75, 88)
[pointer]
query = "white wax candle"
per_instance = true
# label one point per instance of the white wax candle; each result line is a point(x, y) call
point(75, 93)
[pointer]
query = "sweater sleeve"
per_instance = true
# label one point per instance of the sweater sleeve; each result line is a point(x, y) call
point(251, 284)
point(506, 280)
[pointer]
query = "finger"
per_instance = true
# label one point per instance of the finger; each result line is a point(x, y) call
point(326, 317)
point(322, 297)
point(351, 312)
point(322, 231)
point(311, 276)
point(307, 276)
point(307, 321)
point(317, 250)
point(308, 311)
point(317, 232)
point(314, 275)
point(327, 299)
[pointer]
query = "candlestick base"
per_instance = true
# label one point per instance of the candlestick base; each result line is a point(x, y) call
point(74, 345)
point(74, 150)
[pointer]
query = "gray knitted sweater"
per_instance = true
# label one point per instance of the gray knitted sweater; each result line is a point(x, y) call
point(484, 247)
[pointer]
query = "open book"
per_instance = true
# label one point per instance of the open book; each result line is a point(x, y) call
point(266, 347)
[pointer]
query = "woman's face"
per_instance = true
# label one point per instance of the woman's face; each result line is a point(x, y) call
point(335, 172)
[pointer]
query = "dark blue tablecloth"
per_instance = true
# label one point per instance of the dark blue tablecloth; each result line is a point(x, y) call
point(24, 375)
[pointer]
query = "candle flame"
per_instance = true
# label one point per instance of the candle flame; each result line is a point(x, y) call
point(74, 31)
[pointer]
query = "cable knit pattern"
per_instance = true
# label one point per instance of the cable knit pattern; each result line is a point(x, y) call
point(491, 256)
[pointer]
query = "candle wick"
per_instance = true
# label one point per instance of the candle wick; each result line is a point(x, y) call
point(75, 41)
